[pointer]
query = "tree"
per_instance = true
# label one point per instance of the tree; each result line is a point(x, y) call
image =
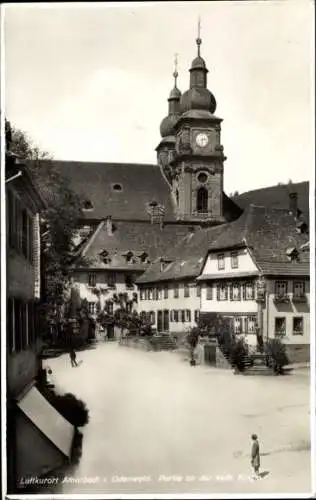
point(276, 354)
point(124, 317)
point(59, 223)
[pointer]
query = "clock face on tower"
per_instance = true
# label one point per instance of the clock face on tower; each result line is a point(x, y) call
point(202, 140)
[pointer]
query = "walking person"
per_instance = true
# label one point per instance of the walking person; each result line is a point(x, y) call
point(255, 455)
point(73, 357)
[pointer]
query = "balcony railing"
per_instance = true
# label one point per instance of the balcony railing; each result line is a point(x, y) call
point(299, 297)
point(281, 298)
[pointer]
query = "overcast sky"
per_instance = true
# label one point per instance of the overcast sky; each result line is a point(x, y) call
point(91, 82)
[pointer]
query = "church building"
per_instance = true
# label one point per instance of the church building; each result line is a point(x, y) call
point(147, 229)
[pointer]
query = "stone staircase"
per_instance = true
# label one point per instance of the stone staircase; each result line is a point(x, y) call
point(163, 342)
point(255, 364)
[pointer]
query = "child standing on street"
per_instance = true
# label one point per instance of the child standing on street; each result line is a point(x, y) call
point(255, 455)
point(73, 357)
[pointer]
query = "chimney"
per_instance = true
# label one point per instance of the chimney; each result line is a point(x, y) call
point(109, 225)
point(293, 203)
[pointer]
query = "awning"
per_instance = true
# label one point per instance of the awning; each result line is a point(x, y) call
point(44, 416)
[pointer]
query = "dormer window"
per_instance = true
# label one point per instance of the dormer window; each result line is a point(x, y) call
point(156, 211)
point(87, 205)
point(129, 257)
point(301, 227)
point(117, 187)
point(165, 264)
point(144, 258)
point(105, 257)
point(292, 254)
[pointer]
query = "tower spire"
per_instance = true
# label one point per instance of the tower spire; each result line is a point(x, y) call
point(198, 40)
point(175, 73)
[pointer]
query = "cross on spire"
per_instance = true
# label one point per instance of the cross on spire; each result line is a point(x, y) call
point(198, 40)
point(175, 73)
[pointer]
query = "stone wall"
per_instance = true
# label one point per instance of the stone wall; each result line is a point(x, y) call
point(298, 353)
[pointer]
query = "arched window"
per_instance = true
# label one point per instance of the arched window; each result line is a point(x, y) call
point(202, 200)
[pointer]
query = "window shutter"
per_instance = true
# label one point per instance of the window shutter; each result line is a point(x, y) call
point(217, 291)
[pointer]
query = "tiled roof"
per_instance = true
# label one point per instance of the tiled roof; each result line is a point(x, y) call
point(140, 185)
point(268, 232)
point(277, 197)
point(138, 238)
point(187, 256)
point(285, 268)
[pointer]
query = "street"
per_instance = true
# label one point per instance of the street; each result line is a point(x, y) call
point(158, 425)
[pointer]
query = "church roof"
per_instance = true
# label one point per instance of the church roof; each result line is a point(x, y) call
point(268, 232)
point(122, 190)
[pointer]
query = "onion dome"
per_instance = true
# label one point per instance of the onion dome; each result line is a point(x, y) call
point(198, 96)
point(167, 124)
point(198, 63)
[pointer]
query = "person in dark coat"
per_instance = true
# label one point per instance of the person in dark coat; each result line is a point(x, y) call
point(255, 455)
point(73, 357)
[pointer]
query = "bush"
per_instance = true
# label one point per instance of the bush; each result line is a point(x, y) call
point(72, 409)
point(234, 348)
point(276, 354)
point(238, 353)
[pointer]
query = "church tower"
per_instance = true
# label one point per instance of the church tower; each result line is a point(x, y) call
point(197, 167)
point(166, 148)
